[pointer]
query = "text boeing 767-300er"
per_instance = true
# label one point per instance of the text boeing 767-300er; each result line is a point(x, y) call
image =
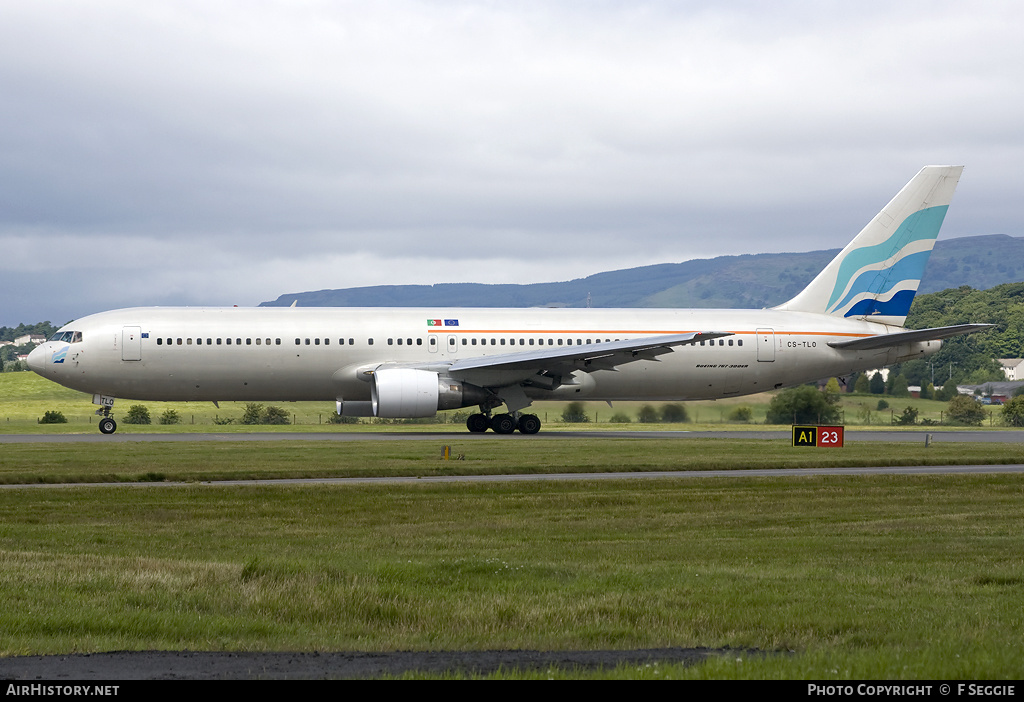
point(412, 362)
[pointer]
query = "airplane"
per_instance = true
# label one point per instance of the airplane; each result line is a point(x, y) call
point(413, 362)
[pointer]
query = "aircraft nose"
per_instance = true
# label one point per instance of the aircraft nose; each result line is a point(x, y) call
point(37, 357)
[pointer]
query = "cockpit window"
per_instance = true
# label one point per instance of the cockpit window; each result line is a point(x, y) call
point(69, 337)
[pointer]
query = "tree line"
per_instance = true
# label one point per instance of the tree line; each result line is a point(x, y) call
point(969, 359)
point(9, 354)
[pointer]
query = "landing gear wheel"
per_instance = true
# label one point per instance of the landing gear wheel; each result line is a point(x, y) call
point(503, 424)
point(529, 424)
point(108, 425)
point(478, 423)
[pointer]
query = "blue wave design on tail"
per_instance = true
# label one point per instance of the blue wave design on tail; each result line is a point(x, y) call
point(897, 306)
point(879, 282)
point(922, 225)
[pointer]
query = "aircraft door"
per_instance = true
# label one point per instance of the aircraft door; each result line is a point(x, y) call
point(765, 345)
point(131, 344)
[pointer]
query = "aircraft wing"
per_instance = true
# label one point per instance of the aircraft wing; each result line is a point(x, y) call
point(585, 357)
point(882, 341)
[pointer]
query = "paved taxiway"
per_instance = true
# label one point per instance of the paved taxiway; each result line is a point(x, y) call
point(1011, 436)
point(547, 477)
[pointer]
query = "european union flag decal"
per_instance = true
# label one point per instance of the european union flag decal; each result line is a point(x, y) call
point(451, 322)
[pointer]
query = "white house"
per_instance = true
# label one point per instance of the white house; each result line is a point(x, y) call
point(1012, 368)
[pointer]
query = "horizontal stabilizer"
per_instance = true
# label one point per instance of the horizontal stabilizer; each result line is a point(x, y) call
point(905, 337)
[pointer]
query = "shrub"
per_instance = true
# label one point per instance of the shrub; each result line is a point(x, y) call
point(575, 413)
point(274, 415)
point(53, 417)
point(256, 413)
point(908, 417)
point(674, 414)
point(170, 416)
point(620, 418)
point(253, 412)
point(647, 415)
point(335, 418)
point(740, 414)
point(882, 405)
point(137, 414)
point(965, 410)
point(1013, 411)
point(802, 405)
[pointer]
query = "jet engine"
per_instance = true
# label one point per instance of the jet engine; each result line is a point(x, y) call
point(410, 392)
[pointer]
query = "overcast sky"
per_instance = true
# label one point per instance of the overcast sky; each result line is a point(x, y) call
point(219, 153)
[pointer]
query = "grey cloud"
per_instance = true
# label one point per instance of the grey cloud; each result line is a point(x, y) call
point(225, 152)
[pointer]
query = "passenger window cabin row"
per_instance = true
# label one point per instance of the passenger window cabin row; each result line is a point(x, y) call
point(188, 341)
point(408, 341)
point(249, 341)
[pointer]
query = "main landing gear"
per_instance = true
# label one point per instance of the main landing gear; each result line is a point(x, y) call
point(504, 423)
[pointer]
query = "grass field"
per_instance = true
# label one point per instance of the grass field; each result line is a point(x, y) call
point(25, 397)
point(843, 577)
point(831, 577)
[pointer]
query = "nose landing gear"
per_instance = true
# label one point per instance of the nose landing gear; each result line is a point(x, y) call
point(106, 403)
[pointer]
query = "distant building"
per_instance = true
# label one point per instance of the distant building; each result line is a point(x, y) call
point(1012, 368)
point(29, 339)
point(993, 393)
point(883, 371)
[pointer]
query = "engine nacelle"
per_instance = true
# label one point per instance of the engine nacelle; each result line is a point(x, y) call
point(410, 392)
point(913, 351)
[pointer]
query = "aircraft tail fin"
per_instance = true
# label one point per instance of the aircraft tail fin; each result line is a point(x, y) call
point(877, 275)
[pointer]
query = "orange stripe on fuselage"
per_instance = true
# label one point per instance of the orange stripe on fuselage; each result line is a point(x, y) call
point(643, 332)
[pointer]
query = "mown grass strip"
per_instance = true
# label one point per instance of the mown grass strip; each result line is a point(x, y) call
point(230, 460)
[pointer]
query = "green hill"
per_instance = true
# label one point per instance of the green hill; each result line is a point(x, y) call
point(748, 281)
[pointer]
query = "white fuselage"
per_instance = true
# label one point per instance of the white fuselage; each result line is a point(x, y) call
point(283, 354)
